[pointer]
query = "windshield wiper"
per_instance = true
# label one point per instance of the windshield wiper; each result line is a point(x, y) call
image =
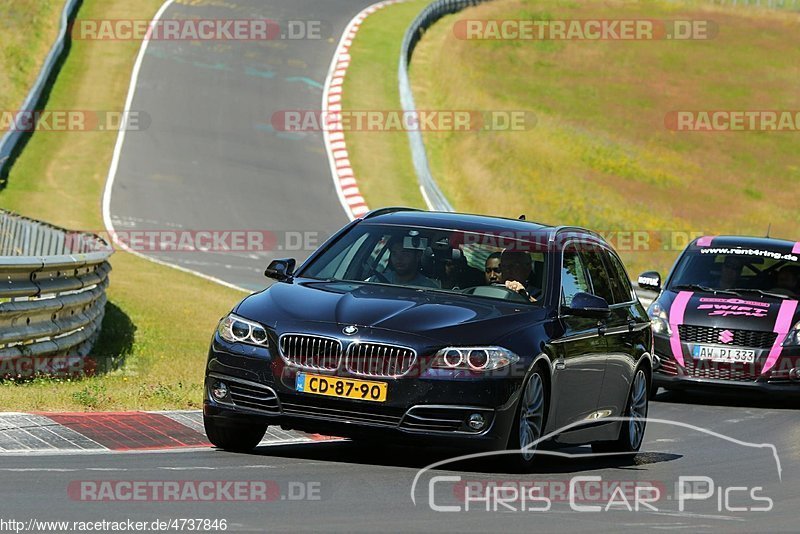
point(760, 292)
point(699, 287)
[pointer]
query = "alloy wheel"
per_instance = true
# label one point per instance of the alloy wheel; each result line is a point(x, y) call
point(531, 417)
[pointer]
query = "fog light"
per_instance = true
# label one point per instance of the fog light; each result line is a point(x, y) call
point(219, 390)
point(476, 421)
point(794, 374)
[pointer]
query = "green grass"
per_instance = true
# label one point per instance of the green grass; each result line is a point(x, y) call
point(600, 155)
point(382, 160)
point(28, 29)
point(159, 321)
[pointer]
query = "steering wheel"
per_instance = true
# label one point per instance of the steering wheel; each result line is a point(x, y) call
point(517, 293)
point(379, 277)
point(510, 293)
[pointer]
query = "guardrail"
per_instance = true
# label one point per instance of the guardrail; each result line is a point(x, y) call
point(433, 196)
point(12, 138)
point(52, 288)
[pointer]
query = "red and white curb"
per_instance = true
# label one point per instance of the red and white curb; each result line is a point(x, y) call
point(341, 169)
point(122, 431)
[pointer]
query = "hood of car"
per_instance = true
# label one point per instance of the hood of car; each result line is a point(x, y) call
point(721, 310)
point(435, 315)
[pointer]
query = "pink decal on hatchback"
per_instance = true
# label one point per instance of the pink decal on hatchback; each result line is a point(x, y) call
point(676, 314)
point(717, 307)
point(782, 326)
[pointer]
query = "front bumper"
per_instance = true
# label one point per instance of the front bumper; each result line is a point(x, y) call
point(432, 408)
point(696, 374)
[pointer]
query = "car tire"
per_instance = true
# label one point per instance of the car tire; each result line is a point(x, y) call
point(234, 437)
point(529, 422)
point(631, 432)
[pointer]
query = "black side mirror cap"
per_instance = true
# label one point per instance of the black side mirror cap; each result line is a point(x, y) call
point(281, 270)
point(587, 305)
point(650, 281)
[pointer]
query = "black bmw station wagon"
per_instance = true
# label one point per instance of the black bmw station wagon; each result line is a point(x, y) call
point(443, 328)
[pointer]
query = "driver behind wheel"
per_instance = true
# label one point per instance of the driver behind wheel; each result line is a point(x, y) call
point(516, 268)
point(404, 268)
point(788, 282)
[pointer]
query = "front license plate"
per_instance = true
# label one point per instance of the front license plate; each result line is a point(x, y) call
point(346, 388)
point(723, 354)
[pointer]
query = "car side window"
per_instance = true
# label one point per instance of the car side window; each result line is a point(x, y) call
point(595, 265)
point(573, 275)
point(620, 285)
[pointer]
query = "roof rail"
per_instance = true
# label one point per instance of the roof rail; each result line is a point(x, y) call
point(384, 211)
point(592, 233)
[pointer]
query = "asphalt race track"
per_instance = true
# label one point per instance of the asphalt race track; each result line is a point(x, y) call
point(346, 486)
point(210, 158)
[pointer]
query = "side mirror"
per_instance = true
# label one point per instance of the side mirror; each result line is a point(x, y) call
point(650, 281)
point(281, 270)
point(586, 305)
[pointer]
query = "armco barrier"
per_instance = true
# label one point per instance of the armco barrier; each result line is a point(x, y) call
point(433, 196)
point(52, 288)
point(10, 140)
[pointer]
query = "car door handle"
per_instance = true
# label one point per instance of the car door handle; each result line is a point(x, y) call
point(602, 329)
point(631, 325)
point(560, 364)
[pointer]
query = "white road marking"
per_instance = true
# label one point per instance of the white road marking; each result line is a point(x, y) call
point(112, 171)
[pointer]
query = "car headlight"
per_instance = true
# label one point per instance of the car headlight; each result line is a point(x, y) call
point(659, 319)
point(793, 339)
point(236, 329)
point(474, 358)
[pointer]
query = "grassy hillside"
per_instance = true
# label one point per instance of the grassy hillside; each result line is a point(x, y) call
point(600, 154)
point(28, 29)
point(159, 321)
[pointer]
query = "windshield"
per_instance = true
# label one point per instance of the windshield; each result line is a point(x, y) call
point(739, 270)
point(435, 259)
